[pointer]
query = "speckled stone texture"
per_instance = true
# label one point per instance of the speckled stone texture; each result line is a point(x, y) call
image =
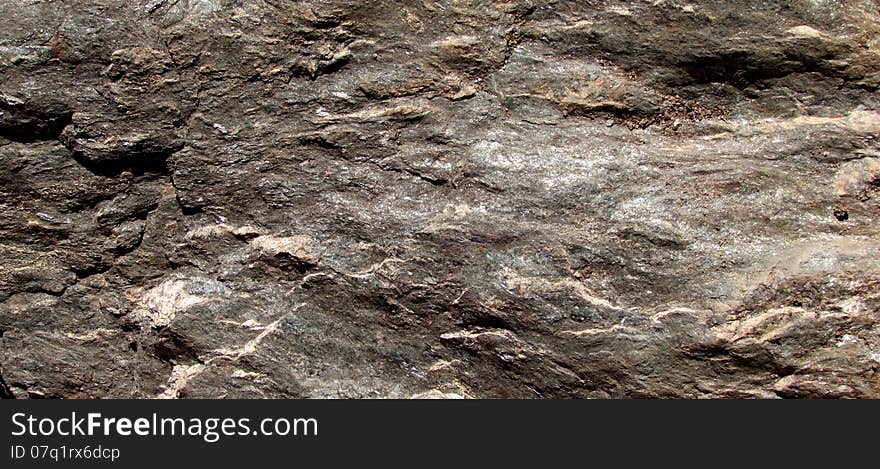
point(506, 199)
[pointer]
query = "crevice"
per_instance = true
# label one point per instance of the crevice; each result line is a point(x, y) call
point(484, 320)
point(84, 273)
point(24, 124)
point(46, 291)
point(435, 181)
point(741, 69)
point(5, 390)
point(185, 209)
point(138, 161)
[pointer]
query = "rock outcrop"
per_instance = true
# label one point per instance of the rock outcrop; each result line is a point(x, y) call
point(524, 198)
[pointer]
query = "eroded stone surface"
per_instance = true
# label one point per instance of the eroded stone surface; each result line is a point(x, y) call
point(439, 199)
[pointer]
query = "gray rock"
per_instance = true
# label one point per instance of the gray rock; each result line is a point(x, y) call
point(439, 199)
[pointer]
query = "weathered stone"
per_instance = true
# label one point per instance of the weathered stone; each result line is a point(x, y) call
point(439, 199)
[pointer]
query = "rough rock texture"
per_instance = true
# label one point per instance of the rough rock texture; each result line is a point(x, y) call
point(338, 198)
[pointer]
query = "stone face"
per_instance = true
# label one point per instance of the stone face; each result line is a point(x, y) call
point(439, 199)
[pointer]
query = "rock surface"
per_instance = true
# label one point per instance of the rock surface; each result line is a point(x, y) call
point(525, 198)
